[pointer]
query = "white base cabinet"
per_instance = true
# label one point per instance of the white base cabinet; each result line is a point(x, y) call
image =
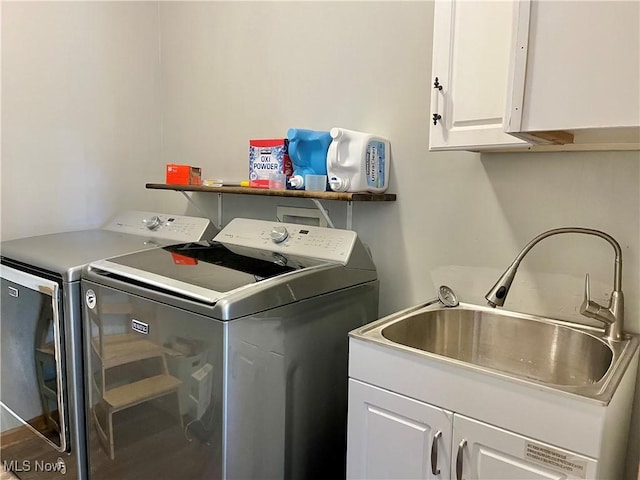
point(419, 417)
point(391, 436)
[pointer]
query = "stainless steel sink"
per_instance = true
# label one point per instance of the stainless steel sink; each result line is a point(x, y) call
point(557, 354)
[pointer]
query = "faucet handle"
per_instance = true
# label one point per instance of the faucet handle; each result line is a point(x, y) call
point(587, 289)
point(589, 308)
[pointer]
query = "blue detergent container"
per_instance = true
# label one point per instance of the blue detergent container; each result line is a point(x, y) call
point(308, 153)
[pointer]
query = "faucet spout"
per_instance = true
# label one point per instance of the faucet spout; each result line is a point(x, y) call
point(498, 293)
point(612, 316)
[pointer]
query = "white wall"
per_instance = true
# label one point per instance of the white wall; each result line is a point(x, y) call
point(80, 113)
point(231, 71)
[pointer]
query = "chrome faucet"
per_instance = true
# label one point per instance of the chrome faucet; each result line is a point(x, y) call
point(612, 316)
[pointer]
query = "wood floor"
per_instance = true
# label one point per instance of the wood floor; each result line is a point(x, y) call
point(4, 475)
point(149, 445)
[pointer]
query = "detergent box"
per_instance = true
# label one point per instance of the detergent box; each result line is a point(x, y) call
point(268, 156)
point(177, 174)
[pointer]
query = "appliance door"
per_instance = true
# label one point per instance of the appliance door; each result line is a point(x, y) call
point(32, 384)
point(154, 385)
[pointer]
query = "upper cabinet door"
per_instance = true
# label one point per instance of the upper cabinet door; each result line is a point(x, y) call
point(575, 73)
point(471, 53)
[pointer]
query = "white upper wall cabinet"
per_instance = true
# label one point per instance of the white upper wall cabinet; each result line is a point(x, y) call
point(471, 52)
point(575, 70)
point(535, 75)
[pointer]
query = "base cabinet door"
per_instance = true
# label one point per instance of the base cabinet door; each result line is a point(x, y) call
point(482, 451)
point(391, 436)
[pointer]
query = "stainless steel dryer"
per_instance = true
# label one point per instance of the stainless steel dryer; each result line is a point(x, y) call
point(226, 359)
point(42, 432)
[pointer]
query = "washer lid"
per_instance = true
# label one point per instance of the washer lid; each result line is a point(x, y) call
point(203, 271)
point(67, 253)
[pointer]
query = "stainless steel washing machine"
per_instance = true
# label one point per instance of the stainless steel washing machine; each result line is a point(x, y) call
point(226, 359)
point(42, 427)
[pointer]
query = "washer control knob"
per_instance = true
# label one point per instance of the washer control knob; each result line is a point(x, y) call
point(279, 234)
point(152, 222)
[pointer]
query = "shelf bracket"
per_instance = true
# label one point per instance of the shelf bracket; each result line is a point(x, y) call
point(218, 221)
point(323, 212)
point(349, 215)
point(219, 225)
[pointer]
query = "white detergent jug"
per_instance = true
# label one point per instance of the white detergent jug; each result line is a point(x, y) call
point(358, 162)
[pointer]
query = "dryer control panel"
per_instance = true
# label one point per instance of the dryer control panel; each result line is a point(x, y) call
point(329, 244)
point(162, 226)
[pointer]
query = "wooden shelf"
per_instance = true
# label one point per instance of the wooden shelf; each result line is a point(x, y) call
point(348, 197)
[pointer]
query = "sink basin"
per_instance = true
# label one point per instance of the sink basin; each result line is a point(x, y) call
point(538, 350)
point(557, 354)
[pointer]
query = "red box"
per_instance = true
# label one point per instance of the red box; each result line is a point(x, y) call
point(183, 174)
